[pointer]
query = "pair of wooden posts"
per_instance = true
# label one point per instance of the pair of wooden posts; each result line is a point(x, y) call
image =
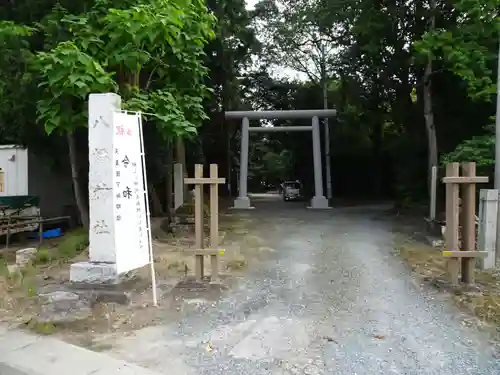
point(461, 251)
point(213, 250)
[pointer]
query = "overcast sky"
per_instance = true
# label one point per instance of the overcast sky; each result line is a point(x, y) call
point(251, 3)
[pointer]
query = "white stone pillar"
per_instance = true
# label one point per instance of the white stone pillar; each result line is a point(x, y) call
point(488, 207)
point(101, 267)
point(178, 185)
point(243, 202)
point(318, 201)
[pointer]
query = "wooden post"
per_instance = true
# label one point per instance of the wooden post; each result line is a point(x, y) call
point(432, 205)
point(40, 233)
point(199, 222)
point(452, 216)
point(7, 238)
point(200, 251)
point(214, 221)
point(467, 253)
point(469, 223)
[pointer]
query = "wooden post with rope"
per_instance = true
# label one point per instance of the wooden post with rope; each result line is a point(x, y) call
point(460, 235)
point(213, 250)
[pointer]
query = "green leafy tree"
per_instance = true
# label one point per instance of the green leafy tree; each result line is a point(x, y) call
point(468, 46)
point(150, 52)
point(15, 83)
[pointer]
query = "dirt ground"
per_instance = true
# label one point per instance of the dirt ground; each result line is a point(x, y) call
point(20, 302)
point(482, 299)
point(428, 267)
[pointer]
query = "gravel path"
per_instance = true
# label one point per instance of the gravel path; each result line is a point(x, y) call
point(330, 300)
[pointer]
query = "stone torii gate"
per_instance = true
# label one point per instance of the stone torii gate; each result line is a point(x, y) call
point(318, 201)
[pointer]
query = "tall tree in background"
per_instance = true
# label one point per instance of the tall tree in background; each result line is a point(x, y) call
point(228, 55)
point(296, 39)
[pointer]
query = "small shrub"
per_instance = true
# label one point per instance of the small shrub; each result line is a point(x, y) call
point(41, 328)
point(42, 256)
point(30, 291)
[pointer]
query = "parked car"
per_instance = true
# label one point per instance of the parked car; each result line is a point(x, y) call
point(291, 190)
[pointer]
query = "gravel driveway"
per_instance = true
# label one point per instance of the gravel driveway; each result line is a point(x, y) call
point(331, 299)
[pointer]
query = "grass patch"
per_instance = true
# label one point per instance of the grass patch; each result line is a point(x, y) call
point(236, 264)
point(73, 244)
point(424, 260)
point(68, 247)
point(485, 307)
point(43, 256)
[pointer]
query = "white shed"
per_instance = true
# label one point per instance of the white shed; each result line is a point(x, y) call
point(24, 175)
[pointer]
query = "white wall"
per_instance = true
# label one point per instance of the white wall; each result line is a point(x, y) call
point(13, 162)
point(21, 165)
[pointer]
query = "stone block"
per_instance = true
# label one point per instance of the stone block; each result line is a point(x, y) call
point(319, 203)
point(25, 256)
point(62, 307)
point(487, 231)
point(242, 203)
point(93, 273)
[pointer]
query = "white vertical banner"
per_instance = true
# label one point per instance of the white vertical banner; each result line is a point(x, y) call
point(130, 214)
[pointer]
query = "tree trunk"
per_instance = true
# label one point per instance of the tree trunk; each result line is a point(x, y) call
point(328, 167)
point(80, 199)
point(428, 111)
point(169, 204)
point(156, 208)
point(180, 157)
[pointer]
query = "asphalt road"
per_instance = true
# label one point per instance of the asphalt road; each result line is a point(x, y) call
point(331, 299)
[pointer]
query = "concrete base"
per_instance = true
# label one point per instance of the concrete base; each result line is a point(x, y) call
point(93, 273)
point(48, 356)
point(242, 203)
point(319, 203)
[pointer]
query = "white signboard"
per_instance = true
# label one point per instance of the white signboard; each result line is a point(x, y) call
point(131, 236)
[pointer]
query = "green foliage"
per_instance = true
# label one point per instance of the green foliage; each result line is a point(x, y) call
point(16, 80)
point(270, 162)
point(72, 244)
point(68, 77)
point(43, 256)
point(151, 53)
point(479, 149)
point(469, 47)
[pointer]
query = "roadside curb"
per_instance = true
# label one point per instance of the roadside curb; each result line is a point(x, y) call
point(36, 355)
